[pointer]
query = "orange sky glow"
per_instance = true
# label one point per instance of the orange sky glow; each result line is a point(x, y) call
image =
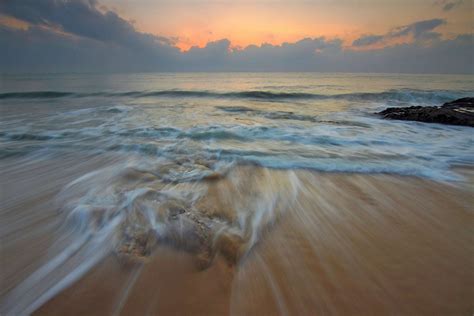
point(245, 22)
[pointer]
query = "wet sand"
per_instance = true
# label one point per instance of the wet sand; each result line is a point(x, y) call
point(341, 244)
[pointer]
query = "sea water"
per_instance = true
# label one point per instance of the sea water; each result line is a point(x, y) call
point(324, 122)
point(161, 137)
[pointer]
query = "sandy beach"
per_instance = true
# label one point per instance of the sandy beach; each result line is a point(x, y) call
point(339, 244)
point(241, 158)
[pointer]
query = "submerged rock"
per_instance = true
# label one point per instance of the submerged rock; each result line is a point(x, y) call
point(136, 245)
point(206, 219)
point(458, 112)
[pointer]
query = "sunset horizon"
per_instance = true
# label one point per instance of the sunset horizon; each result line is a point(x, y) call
point(267, 35)
point(247, 23)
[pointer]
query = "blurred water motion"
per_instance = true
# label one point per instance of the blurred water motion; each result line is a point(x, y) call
point(238, 194)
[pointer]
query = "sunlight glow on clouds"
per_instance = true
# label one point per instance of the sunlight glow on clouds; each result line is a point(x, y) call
point(245, 22)
point(87, 35)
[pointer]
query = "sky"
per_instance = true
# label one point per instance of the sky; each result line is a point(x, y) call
point(401, 36)
point(246, 22)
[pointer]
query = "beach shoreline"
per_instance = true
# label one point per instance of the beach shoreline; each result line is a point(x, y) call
point(345, 244)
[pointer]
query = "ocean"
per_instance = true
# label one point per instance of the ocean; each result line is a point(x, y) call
point(121, 162)
point(324, 122)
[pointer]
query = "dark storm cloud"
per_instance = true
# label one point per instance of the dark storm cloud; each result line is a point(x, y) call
point(39, 50)
point(79, 17)
point(421, 30)
point(68, 35)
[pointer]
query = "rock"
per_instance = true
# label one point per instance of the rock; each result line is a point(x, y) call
point(203, 258)
point(136, 245)
point(466, 103)
point(230, 246)
point(458, 112)
point(214, 176)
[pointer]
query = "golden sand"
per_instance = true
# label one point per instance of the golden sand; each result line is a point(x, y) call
point(339, 244)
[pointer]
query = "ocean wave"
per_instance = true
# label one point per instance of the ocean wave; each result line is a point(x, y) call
point(404, 95)
point(26, 136)
point(35, 95)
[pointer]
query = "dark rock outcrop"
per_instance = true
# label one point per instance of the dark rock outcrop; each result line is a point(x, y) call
point(458, 112)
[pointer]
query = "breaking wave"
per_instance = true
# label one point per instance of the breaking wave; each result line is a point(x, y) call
point(404, 95)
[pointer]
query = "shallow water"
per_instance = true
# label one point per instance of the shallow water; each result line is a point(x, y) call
point(123, 163)
point(318, 121)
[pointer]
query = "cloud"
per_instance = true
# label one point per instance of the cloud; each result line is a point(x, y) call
point(368, 40)
point(81, 18)
point(449, 5)
point(80, 36)
point(421, 30)
point(214, 54)
point(417, 29)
